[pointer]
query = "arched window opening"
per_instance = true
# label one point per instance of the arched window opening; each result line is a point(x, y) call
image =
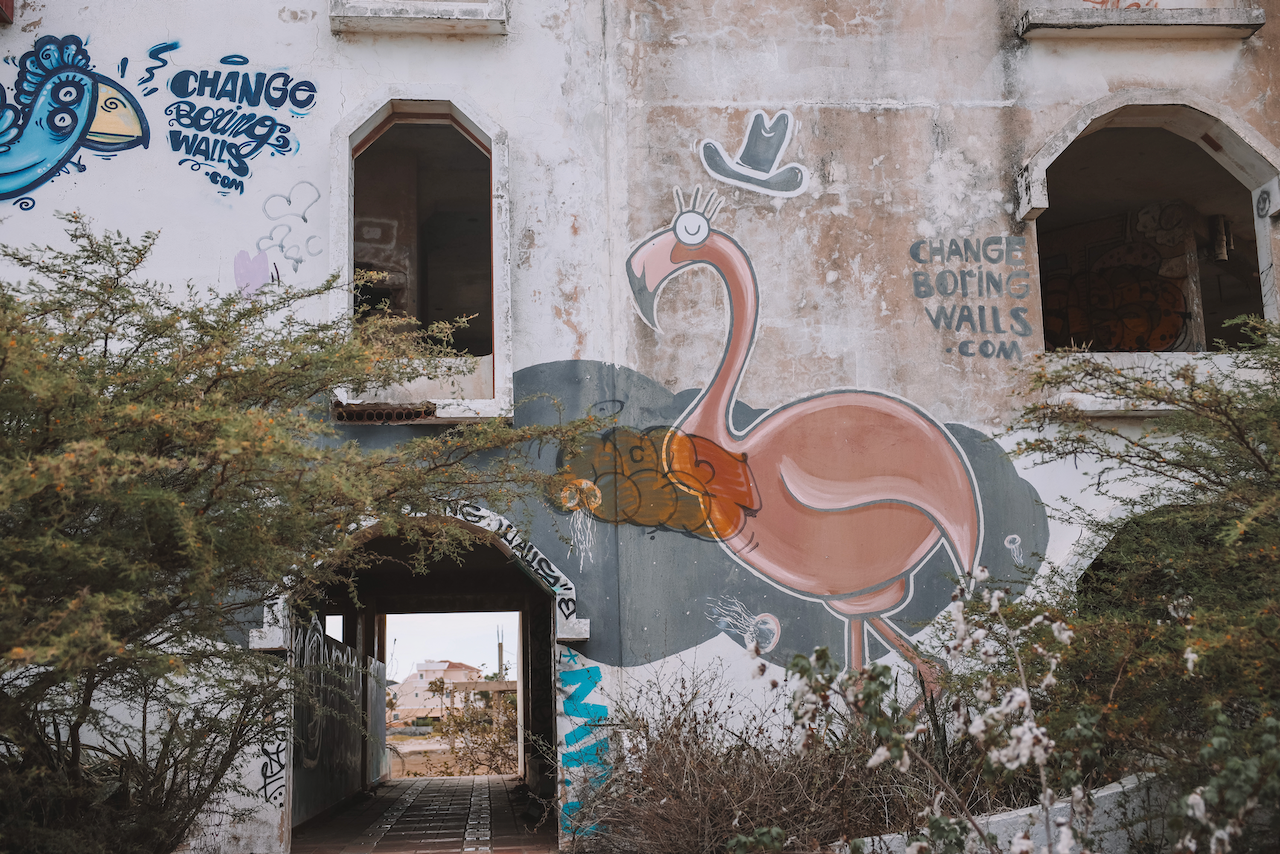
point(1148, 245)
point(423, 218)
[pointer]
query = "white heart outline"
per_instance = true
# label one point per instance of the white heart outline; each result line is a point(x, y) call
point(288, 229)
point(288, 200)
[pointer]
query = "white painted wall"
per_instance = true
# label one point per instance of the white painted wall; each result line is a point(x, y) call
point(540, 84)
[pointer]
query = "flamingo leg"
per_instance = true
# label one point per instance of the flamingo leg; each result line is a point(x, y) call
point(857, 650)
point(928, 670)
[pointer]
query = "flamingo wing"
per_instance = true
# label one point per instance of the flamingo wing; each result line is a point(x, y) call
point(868, 454)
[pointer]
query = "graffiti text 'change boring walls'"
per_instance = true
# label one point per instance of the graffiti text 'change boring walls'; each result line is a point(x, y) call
point(994, 268)
point(210, 132)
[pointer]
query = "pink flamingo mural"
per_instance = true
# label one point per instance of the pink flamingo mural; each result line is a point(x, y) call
point(838, 496)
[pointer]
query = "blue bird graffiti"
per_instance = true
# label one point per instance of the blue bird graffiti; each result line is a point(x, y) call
point(61, 106)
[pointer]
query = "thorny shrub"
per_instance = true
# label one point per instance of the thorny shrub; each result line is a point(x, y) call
point(695, 767)
point(692, 770)
point(1177, 619)
point(169, 468)
point(997, 715)
point(482, 735)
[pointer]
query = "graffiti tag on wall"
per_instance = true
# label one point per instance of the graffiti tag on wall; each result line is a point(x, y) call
point(958, 271)
point(224, 118)
point(60, 106)
point(1126, 4)
point(275, 753)
point(526, 553)
point(326, 720)
point(583, 743)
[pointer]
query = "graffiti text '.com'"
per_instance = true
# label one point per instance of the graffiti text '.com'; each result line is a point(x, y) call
point(962, 269)
point(225, 118)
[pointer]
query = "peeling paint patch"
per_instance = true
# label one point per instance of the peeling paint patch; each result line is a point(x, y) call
point(954, 198)
point(579, 336)
point(528, 243)
point(296, 16)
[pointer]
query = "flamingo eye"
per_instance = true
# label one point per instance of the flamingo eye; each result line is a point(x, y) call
point(692, 228)
point(62, 120)
point(68, 93)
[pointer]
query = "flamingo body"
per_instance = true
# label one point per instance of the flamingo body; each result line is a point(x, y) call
point(852, 487)
point(847, 492)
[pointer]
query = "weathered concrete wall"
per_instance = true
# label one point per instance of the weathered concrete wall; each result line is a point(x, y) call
point(328, 742)
point(803, 412)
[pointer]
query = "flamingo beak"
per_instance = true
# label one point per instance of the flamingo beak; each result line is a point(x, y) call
point(118, 122)
point(649, 266)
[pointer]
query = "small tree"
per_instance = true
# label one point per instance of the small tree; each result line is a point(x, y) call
point(1176, 666)
point(168, 469)
point(483, 737)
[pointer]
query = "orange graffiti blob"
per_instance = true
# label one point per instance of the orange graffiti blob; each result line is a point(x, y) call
point(660, 478)
point(720, 478)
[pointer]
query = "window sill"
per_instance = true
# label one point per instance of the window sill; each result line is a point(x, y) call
point(1097, 407)
point(455, 400)
point(1039, 23)
point(478, 17)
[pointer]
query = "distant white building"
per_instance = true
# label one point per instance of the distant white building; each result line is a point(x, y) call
point(413, 698)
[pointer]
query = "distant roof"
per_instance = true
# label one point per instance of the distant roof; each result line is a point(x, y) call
point(444, 665)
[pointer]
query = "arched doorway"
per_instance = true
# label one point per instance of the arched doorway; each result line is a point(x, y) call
point(495, 576)
point(1153, 224)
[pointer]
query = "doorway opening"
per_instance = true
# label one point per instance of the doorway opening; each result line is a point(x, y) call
point(1148, 245)
point(520, 695)
point(446, 715)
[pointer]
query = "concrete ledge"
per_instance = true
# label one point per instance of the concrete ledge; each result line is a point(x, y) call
point(572, 630)
point(1140, 23)
point(477, 17)
point(507, 685)
point(1124, 812)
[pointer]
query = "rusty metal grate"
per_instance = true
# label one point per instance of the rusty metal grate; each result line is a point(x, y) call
point(383, 413)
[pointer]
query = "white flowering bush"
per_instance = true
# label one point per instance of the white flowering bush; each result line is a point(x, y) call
point(997, 714)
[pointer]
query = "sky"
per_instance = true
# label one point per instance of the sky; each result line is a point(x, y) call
point(468, 638)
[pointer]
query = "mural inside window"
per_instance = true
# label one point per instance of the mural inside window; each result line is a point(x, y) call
point(1147, 246)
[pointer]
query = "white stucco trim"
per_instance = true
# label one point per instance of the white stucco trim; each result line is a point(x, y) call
point(429, 103)
point(1242, 150)
point(483, 17)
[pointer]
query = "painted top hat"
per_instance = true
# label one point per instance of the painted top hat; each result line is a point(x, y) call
point(755, 167)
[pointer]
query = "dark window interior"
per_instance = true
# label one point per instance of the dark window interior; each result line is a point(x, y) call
point(1148, 245)
point(423, 217)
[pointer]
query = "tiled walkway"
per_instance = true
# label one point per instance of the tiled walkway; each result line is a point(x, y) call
point(436, 814)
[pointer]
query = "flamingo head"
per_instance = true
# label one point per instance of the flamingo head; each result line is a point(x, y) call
point(669, 251)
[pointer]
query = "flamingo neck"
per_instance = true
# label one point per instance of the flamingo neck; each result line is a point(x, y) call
point(711, 415)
